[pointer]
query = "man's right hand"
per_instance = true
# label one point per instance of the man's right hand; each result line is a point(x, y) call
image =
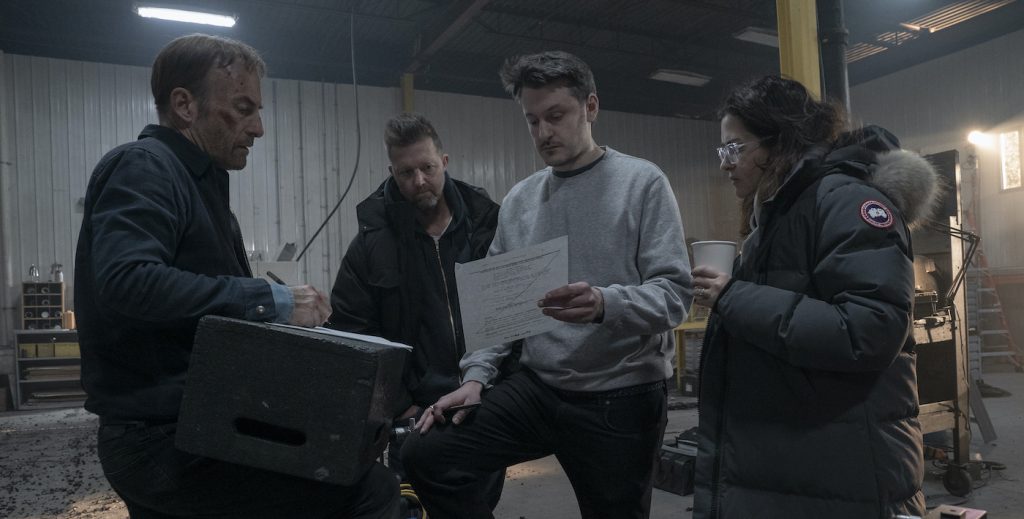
point(468, 393)
point(311, 306)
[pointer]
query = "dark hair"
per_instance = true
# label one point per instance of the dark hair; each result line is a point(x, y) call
point(406, 129)
point(788, 121)
point(547, 68)
point(186, 61)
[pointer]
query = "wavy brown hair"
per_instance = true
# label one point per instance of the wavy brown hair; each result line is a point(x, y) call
point(548, 68)
point(789, 121)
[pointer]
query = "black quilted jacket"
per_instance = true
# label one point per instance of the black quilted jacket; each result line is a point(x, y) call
point(808, 395)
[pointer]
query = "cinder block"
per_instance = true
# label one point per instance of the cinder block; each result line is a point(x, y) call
point(288, 400)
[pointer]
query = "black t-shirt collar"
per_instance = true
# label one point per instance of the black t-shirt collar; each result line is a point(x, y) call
point(573, 172)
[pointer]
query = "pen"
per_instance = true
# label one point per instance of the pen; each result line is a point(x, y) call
point(273, 276)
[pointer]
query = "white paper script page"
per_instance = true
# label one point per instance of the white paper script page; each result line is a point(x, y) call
point(498, 295)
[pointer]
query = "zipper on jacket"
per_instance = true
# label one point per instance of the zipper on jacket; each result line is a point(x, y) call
point(716, 467)
point(447, 300)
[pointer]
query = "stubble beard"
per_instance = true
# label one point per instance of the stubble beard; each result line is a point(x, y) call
point(428, 202)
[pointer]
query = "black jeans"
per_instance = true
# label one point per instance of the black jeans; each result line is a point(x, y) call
point(605, 442)
point(490, 486)
point(158, 481)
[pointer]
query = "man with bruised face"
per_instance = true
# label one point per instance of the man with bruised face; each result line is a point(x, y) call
point(159, 249)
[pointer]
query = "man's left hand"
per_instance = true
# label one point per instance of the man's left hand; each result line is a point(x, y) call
point(574, 303)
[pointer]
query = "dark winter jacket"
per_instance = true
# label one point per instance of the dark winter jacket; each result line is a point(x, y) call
point(159, 249)
point(395, 282)
point(808, 395)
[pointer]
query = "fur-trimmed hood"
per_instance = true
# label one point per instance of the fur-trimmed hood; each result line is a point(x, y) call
point(911, 182)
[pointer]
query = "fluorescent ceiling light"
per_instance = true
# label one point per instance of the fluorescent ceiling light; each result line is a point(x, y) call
point(681, 77)
point(916, 28)
point(181, 15)
point(758, 35)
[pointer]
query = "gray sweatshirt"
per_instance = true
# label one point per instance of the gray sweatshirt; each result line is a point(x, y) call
point(625, 237)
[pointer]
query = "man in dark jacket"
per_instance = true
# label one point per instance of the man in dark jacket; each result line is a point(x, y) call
point(397, 279)
point(159, 249)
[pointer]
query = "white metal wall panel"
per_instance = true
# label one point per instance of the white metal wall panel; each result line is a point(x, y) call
point(486, 139)
point(313, 198)
point(932, 106)
point(8, 290)
point(61, 116)
point(490, 146)
point(684, 150)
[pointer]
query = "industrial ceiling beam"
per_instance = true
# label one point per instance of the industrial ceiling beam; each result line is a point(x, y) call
point(609, 24)
point(460, 15)
point(723, 9)
point(320, 10)
point(718, 70)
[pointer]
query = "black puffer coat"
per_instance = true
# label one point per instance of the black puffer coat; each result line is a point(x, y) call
point(808, 395)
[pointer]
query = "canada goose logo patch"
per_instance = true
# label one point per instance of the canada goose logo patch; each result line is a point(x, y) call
point(876, 214)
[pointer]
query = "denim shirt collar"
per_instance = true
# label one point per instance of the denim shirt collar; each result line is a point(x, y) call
point(196, 160)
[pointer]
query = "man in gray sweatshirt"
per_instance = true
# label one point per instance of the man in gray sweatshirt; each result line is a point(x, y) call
point(592, 391)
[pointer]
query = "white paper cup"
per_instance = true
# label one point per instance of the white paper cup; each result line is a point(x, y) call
point(716, 254)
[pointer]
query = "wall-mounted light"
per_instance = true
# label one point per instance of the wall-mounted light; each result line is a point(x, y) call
point(182, 15)
point(680, 77)
point(979, 138)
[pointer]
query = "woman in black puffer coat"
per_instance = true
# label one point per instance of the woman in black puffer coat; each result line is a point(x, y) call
point(808, 394)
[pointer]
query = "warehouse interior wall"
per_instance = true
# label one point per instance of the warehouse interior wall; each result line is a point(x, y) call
point(59, 117)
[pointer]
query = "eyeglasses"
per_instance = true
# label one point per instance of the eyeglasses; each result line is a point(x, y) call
point(730, 153)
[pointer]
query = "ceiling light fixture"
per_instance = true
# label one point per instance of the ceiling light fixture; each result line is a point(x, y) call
point(182, 15)
point(759, 35)
point(681, 77)
point(917, 28)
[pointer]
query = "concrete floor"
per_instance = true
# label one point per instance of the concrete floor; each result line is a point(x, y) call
point(48, 468)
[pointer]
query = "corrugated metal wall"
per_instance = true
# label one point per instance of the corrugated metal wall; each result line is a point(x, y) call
point(62, 116)
point(932, 106)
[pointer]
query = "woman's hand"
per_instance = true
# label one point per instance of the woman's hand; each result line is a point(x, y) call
point(708, 283)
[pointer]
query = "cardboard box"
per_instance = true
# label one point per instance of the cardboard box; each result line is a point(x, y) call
point(66, 349)
point(27, 350)
point(44, 349)
point(951, 512)
point(289, 400)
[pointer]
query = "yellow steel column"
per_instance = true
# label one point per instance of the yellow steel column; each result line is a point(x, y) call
point(798, 42)
point(407, 92)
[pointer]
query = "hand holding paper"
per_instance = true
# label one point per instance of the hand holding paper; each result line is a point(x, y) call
point(574, 303)
point(498, 295)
